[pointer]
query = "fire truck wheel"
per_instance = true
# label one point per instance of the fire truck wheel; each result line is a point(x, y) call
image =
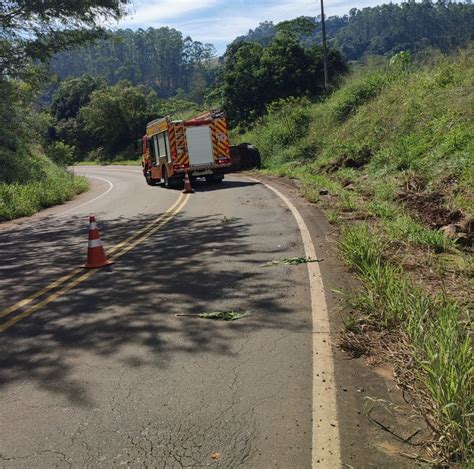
point(149, 180)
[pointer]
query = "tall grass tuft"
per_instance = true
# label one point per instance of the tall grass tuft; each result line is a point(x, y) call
point(437, 327)
point(405, 228)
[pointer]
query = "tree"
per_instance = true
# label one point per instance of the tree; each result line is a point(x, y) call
point(36, 29)
point(254, 76)
point(299, 27)
point(69, 98)
point(72, 94)
point(117, 115)
point(243, 86)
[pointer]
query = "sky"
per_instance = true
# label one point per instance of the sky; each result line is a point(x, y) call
point(221, 21)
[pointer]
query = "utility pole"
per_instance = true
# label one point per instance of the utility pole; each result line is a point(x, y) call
point(325, 52)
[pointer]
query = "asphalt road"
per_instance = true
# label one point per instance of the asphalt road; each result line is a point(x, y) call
point(111, 368)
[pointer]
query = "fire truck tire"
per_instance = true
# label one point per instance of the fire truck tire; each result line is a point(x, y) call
point(150, 181)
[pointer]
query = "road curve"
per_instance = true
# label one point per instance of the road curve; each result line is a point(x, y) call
point(112, 367)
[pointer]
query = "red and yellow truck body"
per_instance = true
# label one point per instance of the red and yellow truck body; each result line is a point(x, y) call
point(199, 146)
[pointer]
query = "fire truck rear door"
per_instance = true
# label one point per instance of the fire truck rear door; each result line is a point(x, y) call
point(199, 140)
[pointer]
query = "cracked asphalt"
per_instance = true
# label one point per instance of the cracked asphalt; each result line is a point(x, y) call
point(110, 374)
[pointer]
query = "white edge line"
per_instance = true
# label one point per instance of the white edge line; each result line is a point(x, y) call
point(111, 186)
point(102, 169)
point(326, 445)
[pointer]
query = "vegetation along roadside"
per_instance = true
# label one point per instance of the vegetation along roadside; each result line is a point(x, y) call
point(32, 173)
point(389, 156)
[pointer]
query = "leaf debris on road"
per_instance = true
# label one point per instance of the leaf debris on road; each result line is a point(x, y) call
point(226, 219)
point(291, 261)
point(219, 315)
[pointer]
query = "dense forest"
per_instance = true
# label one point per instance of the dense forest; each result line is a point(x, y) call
point(101, 121)
point(386, 29)
point(159, 58)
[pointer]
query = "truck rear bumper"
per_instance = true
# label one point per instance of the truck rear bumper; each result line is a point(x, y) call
point(203, 170)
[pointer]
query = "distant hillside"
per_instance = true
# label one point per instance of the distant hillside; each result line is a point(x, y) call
point(266, 31)
point(387, 29)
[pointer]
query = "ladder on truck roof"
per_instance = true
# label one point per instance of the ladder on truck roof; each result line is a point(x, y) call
point(156, 121)
point(212, 114)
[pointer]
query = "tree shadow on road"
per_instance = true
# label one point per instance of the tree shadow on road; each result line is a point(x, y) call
point(191, 265)
point(200, 185)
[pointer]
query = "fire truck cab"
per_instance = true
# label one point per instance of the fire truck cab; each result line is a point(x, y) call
point(199, 146)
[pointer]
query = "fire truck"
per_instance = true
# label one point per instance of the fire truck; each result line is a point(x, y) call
point(199, 146)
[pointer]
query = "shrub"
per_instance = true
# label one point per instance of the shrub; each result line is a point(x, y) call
point(358, 93)
point(61, 154)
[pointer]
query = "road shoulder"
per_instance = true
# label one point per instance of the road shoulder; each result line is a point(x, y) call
point(373, 418)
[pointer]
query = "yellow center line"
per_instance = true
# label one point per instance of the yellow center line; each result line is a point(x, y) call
point(47, 300)
point(147, 227)
point(29, 299)
point(122, 248)
point(152, 229)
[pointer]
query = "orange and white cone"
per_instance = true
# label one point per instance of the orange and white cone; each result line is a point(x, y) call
point(95, 251)
point(187, 185)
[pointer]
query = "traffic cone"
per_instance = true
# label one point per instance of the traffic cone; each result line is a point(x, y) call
point(95, 251)
point(187, 185)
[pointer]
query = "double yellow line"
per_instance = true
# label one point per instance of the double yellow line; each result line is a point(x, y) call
point(69, 281)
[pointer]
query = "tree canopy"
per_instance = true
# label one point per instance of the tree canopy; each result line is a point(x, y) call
point(254, 76)
point(391, 28)
point(36, 29)
point(116, 116)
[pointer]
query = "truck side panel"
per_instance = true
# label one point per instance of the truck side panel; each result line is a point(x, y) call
point(179, 144)
point(220, 139)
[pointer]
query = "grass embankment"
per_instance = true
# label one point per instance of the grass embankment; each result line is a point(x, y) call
point(390, 157)
point(31, 181)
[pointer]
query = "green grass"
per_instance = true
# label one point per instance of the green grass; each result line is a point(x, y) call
point(395, 125)
point(394, 128)
point(405, 228)
point(436, 326)
point(39, 184)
